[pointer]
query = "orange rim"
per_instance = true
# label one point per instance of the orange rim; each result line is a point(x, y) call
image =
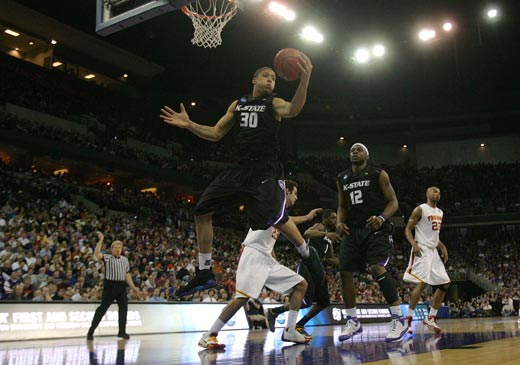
point(190, 13)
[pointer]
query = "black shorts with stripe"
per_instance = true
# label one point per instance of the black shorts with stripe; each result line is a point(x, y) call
point(259, 186)
point(364, 247)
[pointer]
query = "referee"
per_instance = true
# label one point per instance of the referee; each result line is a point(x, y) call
point(117, 276)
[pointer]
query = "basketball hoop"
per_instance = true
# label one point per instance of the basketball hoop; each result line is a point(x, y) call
point(209, 18)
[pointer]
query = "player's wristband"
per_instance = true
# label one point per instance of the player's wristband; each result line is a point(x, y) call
point(303, 250)
point(382, 216)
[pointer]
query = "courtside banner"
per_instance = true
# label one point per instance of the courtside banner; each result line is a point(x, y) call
point(28, 321)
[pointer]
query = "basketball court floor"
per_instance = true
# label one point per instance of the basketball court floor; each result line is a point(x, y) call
point(464, 341)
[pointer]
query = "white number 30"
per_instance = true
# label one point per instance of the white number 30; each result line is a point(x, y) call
point(249, 120)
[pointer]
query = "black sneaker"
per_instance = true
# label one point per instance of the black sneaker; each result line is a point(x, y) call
point(270, 319)
point(123, 335)
point(204, 279)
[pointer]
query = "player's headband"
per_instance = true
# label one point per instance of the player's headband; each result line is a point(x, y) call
point(362, 145)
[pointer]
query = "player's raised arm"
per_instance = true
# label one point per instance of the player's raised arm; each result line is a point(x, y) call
point(210, 133)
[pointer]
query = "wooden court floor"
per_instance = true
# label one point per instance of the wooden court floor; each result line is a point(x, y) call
point(494, 341)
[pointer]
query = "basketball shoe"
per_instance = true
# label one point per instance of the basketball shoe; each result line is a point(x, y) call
point(431, 323)
point(210, 341)
point(204, 279)
point(305, 334)
point(398, 328)
point(293, 336)
point(353, 327)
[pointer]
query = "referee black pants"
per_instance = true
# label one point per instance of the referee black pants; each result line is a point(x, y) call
point(112, 290)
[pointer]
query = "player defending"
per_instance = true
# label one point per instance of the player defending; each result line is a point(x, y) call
point(257, 267)
point(321, 238)
point(256, 176)
point(425, 266)
point(366, 201)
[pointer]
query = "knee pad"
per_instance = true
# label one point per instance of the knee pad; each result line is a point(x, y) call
point(388, 286)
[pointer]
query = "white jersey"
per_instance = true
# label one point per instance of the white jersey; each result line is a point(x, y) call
point(429, 226)
point(262, 239)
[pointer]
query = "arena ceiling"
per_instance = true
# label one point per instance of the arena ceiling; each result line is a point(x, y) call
point(472, 71)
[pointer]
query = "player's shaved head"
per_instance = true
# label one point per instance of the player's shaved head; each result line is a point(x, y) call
point(257, 72)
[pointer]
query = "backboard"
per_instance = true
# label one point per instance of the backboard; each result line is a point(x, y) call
point(115, 15)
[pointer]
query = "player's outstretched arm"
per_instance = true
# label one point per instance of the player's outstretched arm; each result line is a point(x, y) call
point(291, 109)
point(306, 218)
point(210, 133)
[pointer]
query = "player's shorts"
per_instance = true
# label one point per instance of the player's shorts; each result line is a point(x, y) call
point(257, 269)
point(365, 247)
point(260, 187)
point(428, 268)
point(312, 270)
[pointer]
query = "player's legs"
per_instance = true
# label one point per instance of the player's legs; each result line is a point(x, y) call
point(414, 299)
point(290, 334)
point(379, 247)
point(351, 259)
point(209, 338)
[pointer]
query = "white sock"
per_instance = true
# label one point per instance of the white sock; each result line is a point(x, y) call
point(216, 327)
point(352, 312)
point(204, 261)
point(291, 319)
point(396, 309)
point(410, 312)
point(433, 311)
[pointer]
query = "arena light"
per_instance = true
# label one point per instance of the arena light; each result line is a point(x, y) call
point(378, 50)
point(56, 64)
point(281, 10)
point(448, 26)
point(492, 13)
point(426, 35)
point(362, 55)
point(289, 15)
point(11, 32)
point(310, 33)
point(89, 76)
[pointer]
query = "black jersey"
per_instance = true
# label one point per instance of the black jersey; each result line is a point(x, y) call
point(362, 194)
point(256, 129)
point(321, 245)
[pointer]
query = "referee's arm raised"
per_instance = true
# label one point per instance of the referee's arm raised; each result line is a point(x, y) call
point(97, 252)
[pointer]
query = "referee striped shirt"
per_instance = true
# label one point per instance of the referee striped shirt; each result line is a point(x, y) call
point(116, 267)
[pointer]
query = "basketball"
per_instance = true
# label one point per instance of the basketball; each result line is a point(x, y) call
point(286, 64)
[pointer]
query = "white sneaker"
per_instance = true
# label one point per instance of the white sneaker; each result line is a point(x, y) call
point(353, 327)
point(431, 323)
point(398, 327)
point(291, 335)
point(210, 342)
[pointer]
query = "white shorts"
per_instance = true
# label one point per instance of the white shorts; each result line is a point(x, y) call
point(257, 268)
point(428, 268)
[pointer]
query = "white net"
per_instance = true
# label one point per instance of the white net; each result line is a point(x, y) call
point(209, 18)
